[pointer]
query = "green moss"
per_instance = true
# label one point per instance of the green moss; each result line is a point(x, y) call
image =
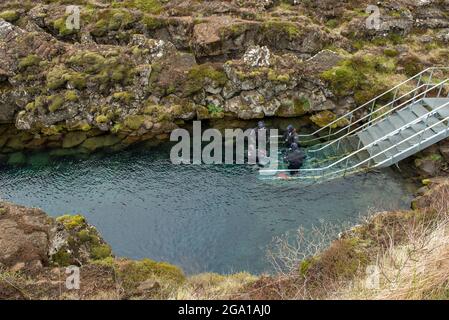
point(76, 80)
point(147, 6)
point(117, 128)
point(274, 76)
point(390, 52)
point(123, 96)
point(325, 117)
point(85, 127)
point(100, 252)
point(364, 76)
point(29, 61)
point(55, 102)
point(9, 15)
point(52, 130)
point(152, 23)
point(102, 118)
point(72, 221)
point(198, 74)
point(61, 27)
point(134, 122)
point(62, 258)
point(70, 96)
point(30, 107)
point(274, 27)
point(55, 77)
point(301, 105)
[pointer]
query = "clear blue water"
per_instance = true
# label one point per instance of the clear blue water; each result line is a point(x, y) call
point(202, 218)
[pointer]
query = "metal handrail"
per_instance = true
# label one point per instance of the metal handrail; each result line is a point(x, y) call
point(329, 125)
point(421, 132)
point(407, 125)
point(406, 104)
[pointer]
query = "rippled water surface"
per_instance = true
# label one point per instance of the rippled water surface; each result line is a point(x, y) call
point(203, 218)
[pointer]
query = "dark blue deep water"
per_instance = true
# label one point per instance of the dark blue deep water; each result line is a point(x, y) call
point(203, 218)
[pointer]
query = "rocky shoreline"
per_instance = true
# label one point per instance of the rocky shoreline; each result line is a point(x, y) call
point(135, 72)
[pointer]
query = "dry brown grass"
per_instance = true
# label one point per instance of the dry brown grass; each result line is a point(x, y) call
point(391, 255)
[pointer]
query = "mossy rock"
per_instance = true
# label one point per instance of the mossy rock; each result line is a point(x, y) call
point(325, 117)
point(10, 15)
point(202, 113)
point(29, 61)
point(123, 96)
point(101, 118)
point(62, 258)
point(72, 222)
point(73, 139)
point(197, 76)
point(134, 122)
point(70, 96)
point(55, 102)
point(61, 27)
point(99, 142)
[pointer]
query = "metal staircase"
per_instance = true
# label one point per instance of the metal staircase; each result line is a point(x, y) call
point(381, 132)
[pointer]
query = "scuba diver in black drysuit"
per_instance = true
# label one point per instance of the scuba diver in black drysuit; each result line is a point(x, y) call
point(290, 137)
point(295, 158)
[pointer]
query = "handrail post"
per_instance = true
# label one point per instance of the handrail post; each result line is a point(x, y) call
point(371, 112)
point(417, 87)
point(428, 83)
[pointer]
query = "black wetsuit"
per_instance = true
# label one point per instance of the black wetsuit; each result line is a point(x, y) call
point(295, 159)
point(290, 137)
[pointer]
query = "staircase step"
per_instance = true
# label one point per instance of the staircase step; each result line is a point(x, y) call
point(435, 103)
point(374, 150)
point(406, 115)
point(386, 126)
point(396, 121)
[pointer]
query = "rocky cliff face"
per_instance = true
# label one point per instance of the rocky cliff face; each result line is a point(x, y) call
point(135, 70)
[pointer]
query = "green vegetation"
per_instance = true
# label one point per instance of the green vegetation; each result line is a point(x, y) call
point(60, 26)
point(147, 6)
point(135, 272)
point(134, 122)
point(29, 61)
point(213, 109)
point(9, 15)
point(55, 102)
point(275, 28)
point(152, 22)
point(123, 96)
point(72, 221)
point(364, 76)
point(102, 118)
point(101, 251)
point(198, 76)
point(71, 96)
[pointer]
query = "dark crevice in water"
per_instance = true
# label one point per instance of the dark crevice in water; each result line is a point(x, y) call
point(216, 218)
